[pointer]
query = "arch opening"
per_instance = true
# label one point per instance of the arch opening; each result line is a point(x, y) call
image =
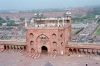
point(31, 35)
point(32, 50)
point(4, 47)
point(53, 35)
point(44, 50)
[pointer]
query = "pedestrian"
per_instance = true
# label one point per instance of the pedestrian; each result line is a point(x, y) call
point(86, 64)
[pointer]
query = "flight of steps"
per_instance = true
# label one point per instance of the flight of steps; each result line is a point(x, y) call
point(31, 55)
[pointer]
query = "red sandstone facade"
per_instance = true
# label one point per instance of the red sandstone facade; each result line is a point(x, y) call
point(52, 39)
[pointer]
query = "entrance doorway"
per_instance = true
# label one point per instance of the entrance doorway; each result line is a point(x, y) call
point(44, 50)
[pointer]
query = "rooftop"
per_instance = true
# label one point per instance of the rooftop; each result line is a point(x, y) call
point(48, 23)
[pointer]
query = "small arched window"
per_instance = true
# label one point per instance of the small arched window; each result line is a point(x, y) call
point(54, 44)
point(54, 50)
point(61, 43)
point(53, 35)
point(61, 35)
point(31, 35)
point(31, 43)
point(32, 50)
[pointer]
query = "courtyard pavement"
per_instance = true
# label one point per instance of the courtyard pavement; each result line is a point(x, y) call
point(17, 59)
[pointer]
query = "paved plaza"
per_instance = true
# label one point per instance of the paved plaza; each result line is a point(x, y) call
point(17, 59)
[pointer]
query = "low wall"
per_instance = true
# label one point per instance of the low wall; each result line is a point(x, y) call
point(12, 43)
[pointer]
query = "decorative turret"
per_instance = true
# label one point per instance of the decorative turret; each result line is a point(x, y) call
point(68, 14)
point(35, 16)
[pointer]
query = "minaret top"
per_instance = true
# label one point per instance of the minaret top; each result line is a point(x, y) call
point(68, 14)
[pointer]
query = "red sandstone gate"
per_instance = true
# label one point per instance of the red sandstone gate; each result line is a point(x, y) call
point(43, 44)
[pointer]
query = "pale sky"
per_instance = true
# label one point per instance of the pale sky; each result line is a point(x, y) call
point(41, 4)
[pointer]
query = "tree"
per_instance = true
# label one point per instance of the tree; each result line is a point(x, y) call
point(64, 15)
point(11, 23)
point(92, 13)
point(2, 21)
point(22, 19)
point(7, 18)
point(98, 20)
point(42, 16)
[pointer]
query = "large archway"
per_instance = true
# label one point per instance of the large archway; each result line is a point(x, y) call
point(43, 44)
point(44, 50)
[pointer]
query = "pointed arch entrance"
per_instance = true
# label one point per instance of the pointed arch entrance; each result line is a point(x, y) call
point(44, 50)
point(43, 44)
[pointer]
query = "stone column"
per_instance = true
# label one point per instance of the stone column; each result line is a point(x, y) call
point(6, 47)
point(96, 52)
point(58, 22)
point(67, 51)
point(63, 21)
point(76, 51)
point(90, 51)
point(81, 51)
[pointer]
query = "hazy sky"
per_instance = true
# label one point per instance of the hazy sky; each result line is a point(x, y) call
point(41, 4)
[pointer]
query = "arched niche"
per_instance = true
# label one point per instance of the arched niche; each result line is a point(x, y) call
point(54, 45)
point(32, 50)
point(54, 51)
point(61, 36)
point(62, 44)
point(53, 35)
point(31, 35)
point(31, 43)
